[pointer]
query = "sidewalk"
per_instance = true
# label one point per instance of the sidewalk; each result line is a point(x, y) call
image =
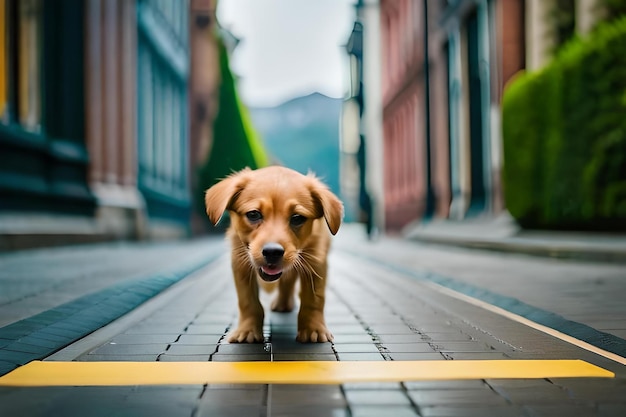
point(135, 307)
point(381, 313)
point(503, 234)
point(50, 298)
point(565, 292)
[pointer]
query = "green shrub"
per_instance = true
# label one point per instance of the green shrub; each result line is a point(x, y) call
point(236, 143)
point(564, 134)
point(529, 111)
point(614, 8)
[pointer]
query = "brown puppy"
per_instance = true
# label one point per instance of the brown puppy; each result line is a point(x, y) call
point(280, 221)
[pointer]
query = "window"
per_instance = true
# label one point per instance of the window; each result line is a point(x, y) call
point(20, 63)
point(162, 107)
point(29, 64)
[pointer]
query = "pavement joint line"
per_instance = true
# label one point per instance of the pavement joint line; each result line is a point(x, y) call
point(523, 320)
point(80, 317)
point(135, 316)
point(39, 373)
point(578, 334)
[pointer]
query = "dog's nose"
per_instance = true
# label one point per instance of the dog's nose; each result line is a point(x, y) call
point(273, 252)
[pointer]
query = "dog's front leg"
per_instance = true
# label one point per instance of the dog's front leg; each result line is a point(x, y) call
point(250, 327)
point(311, 323)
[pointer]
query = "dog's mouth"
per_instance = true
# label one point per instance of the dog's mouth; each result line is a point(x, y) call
point(270, 272)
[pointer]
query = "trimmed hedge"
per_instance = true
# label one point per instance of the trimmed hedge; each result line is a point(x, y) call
point(564, 133)
point(236, 143)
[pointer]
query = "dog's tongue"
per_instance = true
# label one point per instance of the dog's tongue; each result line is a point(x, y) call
point(271, 269)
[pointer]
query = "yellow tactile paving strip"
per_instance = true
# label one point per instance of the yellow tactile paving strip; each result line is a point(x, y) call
point(303, 372)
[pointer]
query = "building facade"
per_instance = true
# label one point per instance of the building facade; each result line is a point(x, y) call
point(404, 113)
point(94, 132)
point(448, 57)
point(445, 65)
point(463, 45)
point(362, 132)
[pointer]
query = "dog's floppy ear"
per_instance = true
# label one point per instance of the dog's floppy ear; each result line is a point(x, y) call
point(331, 205)
point(219, 197)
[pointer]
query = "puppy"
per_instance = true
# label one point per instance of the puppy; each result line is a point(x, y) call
point(279, 232)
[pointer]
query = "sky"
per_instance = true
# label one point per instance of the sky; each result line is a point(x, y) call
point(288, 48)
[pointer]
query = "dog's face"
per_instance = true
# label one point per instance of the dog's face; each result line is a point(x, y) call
point(275, 213)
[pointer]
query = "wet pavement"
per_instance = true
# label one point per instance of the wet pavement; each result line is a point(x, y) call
point(388, 300)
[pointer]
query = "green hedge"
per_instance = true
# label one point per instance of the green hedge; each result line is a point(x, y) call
point(564, 133)
point(236, 143)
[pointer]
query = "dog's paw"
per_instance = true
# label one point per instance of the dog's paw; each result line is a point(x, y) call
point(245, 334)
point(314, 334)
point(283, 306)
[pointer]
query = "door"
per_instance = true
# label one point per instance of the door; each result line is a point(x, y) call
point(476, 119)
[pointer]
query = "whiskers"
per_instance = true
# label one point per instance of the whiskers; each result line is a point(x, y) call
point(241, 258)
point(302, 264)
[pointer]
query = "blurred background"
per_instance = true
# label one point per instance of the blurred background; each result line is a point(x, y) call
point(116, 115)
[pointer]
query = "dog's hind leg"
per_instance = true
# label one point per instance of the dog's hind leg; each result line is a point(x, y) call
point(285, 299)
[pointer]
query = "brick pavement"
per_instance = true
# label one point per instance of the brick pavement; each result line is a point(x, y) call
point(33, 281)
point(586, 292)
point(374, 315)
point(375, 312)
point(51, 298)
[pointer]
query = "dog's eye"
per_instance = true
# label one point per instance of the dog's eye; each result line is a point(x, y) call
point(297, 220)
point(254, 216)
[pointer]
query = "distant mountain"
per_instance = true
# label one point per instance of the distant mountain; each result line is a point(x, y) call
point(303, 134)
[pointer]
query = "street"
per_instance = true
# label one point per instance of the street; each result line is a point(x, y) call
point(389, 301)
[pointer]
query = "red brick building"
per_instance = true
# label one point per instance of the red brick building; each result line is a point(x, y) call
point(444, 67)
point(403, 111)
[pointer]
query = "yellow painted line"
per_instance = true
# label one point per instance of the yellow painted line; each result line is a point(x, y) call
point(523, 320)
point(304, 372)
